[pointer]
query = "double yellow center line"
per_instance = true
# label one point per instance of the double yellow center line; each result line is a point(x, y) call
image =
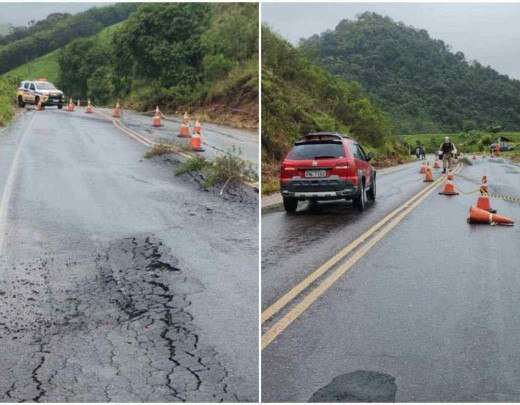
point(383, 226)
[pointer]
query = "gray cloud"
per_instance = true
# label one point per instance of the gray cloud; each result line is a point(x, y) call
point(487, 32)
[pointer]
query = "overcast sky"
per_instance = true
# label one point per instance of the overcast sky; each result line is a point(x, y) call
point(489, 33)
point(22, 13)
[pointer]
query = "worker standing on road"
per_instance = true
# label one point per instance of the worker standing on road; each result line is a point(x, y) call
point(418, 152)
point(448, 150)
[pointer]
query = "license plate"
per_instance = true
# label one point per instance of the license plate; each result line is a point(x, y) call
point(315, 173)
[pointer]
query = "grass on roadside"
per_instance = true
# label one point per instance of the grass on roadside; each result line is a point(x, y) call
point(160, 149)
point(225, 169)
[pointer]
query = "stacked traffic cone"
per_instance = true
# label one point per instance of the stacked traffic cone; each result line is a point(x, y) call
point(184, 130)
point(196, 139)
point(116, 112)
point(428, 175)
point(89, 109)
point(156, 120)
point(449, 189)
point(484, 185)
point(480, 216)
point(70, 106)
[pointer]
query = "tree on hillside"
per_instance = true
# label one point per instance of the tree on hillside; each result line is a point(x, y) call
point(414, 77)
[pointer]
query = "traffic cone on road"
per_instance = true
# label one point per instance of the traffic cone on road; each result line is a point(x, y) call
point(480, 216)
point(79, 102)
point(449, 189)
point(116, 112)
point(423, 168)
point(484, 204)
point(437, 164)
point(70, 106)
point(184, 130)
point(474, 157)
point(89, 109)
point(484, 185)
point(156, 120)
point(428, 175)
point(196, 142)
point(197, 128)
point(450, 175)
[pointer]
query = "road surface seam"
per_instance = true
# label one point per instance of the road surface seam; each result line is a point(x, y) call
point(6, 195)
point(388, 224)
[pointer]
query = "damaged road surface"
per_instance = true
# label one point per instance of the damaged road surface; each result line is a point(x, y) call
point(118, 280)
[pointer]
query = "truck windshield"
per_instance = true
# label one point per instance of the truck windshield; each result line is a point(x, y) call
point(45, 86)
point(305, 151)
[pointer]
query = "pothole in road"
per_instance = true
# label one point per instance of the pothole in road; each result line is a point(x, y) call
point(359, 386)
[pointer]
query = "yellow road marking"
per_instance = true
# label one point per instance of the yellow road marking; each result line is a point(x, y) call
point(310, 298)
point(302, 285)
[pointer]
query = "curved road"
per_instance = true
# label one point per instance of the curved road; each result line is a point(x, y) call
point(428, 313)
point(118, 280)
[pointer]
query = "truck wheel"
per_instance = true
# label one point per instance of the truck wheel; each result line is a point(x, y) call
point(360, 200)
point(60, 106)
point(290, 204)
point(21, 104)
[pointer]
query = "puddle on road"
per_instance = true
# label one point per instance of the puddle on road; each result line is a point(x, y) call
point(359, 386)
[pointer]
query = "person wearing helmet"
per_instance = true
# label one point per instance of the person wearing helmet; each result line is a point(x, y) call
point(447, 150)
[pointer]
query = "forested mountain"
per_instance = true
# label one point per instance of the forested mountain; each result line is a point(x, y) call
point(57, 30)
point(173, 55)
point(299, 96)
point(423, 84)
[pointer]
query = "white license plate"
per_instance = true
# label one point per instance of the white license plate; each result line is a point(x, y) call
point(315, 173)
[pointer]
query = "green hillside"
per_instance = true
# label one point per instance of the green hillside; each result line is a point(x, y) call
point(423, 84)
point(44, 66)
point(300, 97)
point(40, 39)
point(4, 29)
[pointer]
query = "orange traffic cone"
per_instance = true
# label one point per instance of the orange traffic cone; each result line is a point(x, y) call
point(156, 120)
point(423, 168)
point(449, 189)
point(89, 109)
point(450, 176)
point(428, 175)
point(484, 204)
point(79, 102)
point(484, 185)
point(184, 130)
point(480, 216)
point(437, 164)
point(116, 112)
point(70, 106)
point(196, 143)
point(197, 128)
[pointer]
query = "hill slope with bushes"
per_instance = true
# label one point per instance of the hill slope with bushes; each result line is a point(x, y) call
point(24, 45)
point(299, 97)
point(189, 55)
point(423, 84)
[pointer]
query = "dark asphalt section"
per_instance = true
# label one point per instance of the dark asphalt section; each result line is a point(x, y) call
point(118, 280)
point(433, 305)
point(295, 245)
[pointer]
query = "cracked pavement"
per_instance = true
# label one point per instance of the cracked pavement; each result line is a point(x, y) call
point(118, 280)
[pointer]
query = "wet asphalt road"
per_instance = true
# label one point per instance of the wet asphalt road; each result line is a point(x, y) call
point(429, 314)
point(217, 139)
point(118, 280)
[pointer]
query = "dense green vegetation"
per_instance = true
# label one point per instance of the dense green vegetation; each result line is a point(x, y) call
point(418, 80)
point(4, 29)
point(44, 66)
point(171, 54)
point(299, 97)
point(7, 95)
point(45, 37)
point(13, 33)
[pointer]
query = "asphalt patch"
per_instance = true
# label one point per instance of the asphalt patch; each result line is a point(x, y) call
point(359, 386)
